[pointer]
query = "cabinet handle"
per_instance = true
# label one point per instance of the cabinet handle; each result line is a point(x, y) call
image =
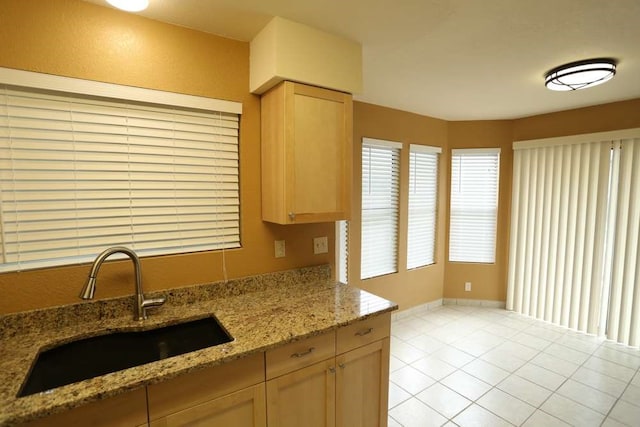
point(292, 216)
point(303, 353)
point(364, 332)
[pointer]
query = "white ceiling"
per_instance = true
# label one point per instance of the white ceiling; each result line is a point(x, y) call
point(451, 59)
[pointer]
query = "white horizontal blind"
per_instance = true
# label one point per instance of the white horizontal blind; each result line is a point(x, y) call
point(81, 173)
point(474, 205)
point(423, 197)
point(380, 195)
point(559, 208)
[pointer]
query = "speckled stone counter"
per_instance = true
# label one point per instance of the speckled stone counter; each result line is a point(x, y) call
point(259, 312)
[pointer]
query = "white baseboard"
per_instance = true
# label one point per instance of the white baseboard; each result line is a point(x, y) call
point(418, 309)
point(474, 302)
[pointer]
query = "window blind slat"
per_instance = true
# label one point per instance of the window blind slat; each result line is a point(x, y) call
point(473, 205)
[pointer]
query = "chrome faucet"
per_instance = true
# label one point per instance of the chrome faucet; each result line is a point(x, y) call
point(142, 304)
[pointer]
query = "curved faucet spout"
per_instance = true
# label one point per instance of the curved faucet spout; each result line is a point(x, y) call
point(89, 289)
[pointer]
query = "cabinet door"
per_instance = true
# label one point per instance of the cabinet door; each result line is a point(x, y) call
point(320, 154)
point(306, 151)
point(244, 408)
point(362, 386)
point(305, 397)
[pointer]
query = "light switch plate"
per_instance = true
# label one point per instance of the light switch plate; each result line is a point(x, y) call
point(467, 286)
point(320, 245)
point(279, 248)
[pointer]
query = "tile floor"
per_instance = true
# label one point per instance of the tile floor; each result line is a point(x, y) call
point(474, 366)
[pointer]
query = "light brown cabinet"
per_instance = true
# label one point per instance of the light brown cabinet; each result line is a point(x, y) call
point(339, 378)
point(306, 154)
point(227, 395)
point(349, 389)
point(125, 410)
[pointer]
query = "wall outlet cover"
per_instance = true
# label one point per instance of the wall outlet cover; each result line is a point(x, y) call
point(279, 248)
point(467, 286)
point(320, 245)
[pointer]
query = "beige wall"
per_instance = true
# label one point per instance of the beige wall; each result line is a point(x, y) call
point(78, 39)
point(446, 279)
point(417, 286)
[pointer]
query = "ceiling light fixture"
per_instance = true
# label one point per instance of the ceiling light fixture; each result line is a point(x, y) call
point(129, 5)
point(580, 74)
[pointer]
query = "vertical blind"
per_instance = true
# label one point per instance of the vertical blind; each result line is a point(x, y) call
point(557, 235)
point(474, 205)
point(623, 288)
point(380, 197)
point(423, 198)
point(82, 173)
point(574, 253)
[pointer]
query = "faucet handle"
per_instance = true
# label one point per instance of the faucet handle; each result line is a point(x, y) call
point(148, 303)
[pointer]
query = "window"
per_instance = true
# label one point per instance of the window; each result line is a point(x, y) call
point(423, 198)
point(474, 205)
point(380, 189)
point(82, 172)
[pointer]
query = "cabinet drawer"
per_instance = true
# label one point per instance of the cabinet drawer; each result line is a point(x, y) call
point(299, 354)
point(203, 385)
point(363, 332)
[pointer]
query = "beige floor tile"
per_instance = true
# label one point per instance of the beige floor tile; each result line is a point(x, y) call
point(542, 419)
point(467, 385)
point(411, 379)
point(477, 416)
point(524, 390)
point(626, 412)
point(414, 413)
point(572, 412)
point(485, 371)
point(587, 396)
point(506, 406)
point(444, 400)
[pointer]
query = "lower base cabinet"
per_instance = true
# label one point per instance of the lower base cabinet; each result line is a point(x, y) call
point(349, 389)
point(232, 394)
point(242, 408)
point(304, 397)
point(337, 379)
point(362, 386)
point(125, 410)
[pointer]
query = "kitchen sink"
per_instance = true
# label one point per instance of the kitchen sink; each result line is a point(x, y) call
point(99, 355)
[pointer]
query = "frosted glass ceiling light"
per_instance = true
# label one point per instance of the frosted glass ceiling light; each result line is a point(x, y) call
point(129, 5)
point(580, 74)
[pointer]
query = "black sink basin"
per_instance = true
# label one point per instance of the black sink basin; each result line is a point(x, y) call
point(95, 356)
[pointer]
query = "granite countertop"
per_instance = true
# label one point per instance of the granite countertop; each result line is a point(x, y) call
point(259, 312)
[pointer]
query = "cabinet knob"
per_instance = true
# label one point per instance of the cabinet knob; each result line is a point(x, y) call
point(341, 365)
point(292, 216)
point(332, 370)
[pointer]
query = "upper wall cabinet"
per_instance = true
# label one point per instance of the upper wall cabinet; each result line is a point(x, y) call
point(306, 154)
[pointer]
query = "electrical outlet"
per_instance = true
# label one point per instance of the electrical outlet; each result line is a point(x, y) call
point(320, 245)
point(467, 286)
point(279, 248)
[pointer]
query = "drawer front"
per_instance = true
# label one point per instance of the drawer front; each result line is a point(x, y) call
point(363, 332)
point(300, 354)
point(203, 385)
